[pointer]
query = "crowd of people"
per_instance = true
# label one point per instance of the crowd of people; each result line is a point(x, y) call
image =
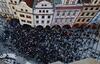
point(51, 44)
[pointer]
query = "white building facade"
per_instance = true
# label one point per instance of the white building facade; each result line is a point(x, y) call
point(12, 5)
point(65, 14)
point(43, 13)
point(4, 8)
point(24, 13)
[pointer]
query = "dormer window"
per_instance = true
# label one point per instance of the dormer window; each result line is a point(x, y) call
point(42, 5)
point(26, 10)
point(11, 1)
point(21, 9)
point(45, 4)
point(15, 2)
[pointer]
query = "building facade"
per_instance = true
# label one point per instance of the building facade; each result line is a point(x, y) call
point(24, 13)
point(4, 9)
point(69, 2)
point(96, 2)
point(43, 13)
point(88, 12)
point(51, 12)
point(12, 5)
point(65, 14)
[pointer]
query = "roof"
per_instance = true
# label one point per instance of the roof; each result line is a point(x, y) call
point(61, 7)
point(84, 1)
point(29, 3)
point(43, 3)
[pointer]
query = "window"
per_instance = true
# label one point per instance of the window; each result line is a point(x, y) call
point(5, 5)
point(87, 14)
point(63, 13)
point(15, 13)
point(91, 8)
point(8, 11)
point(37, 22)
point(29, 21)
point(48, 21)
point(15, 2)
point(11, 1)
point(71, 19)
point(42, 5)
point(23, 20)
point(28, 16)
point(56, 20)
point(73, 2)
point(87, 20)
point(66, 19)
point(83, 20)
point(42, 21)
point(47, 11)
point(43, 11)
point(78, 20)
point(21, 9)
point(45, 4)
point(37, 16)
point(58, 13)
point(42, 17)
point(95, 2)
point(40, 11)
point(74, 13)
point(69, 13)
point(67, 2)
point(26, 10)
point(82, 14)
point(48, 16)
point(86, 8)
point(13, 7)
point(92, 14)
point(21, 15)
point(97, 8)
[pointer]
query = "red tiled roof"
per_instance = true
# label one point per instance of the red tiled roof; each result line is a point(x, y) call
point(29, 3)
point(43, 0)
point(86, 1)
point(69, 7)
